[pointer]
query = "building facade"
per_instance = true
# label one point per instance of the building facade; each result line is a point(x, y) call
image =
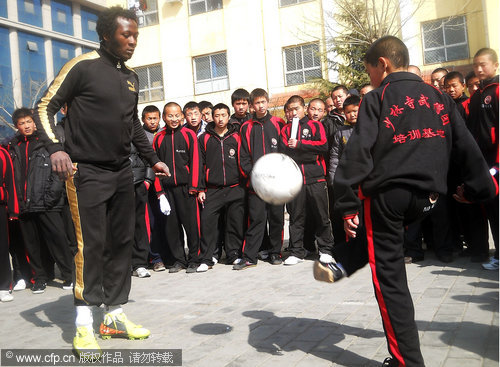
point(205, 49)
point(37, 37)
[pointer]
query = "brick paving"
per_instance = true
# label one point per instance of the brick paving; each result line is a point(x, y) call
point(280, 316)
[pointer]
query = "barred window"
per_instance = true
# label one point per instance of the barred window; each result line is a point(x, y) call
point(210, 73)
point(150, 83)
point(445, 40)
point(203, 6)
point(302, 64)
point(291, 2)
point(146, 11)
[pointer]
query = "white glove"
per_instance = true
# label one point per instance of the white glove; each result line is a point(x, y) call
point(164, 205)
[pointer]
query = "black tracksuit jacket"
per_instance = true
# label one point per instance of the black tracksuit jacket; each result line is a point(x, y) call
point(258, 137)
point(406, 133)
point(101, 122)
point(219, 156)
point(180, 151)
point(482, 118)
point(312, 144)
point(38, 188)
point(8, 192)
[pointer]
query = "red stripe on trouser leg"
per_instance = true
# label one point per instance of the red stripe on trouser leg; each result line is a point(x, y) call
point(148, 223)
point(391, 337)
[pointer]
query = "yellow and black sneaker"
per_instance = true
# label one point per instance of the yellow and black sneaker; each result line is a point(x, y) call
point(119, 326)
point(85, 344)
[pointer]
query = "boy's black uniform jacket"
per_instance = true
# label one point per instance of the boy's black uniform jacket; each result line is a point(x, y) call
point(311, 145)
point(219, 156)
point(238, 121)
point(140, 168)
point(405, 135)
point(8, 191)
point(180, 151)
point(38, 188)
point(102, 121)
point(258, 137)
point(482, 118)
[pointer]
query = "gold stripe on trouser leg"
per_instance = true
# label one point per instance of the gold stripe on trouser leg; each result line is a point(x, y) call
point(75, 214)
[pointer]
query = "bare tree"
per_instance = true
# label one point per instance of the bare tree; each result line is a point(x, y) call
point(356, 24)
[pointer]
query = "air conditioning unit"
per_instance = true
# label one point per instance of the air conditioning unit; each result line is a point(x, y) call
point(173, 1)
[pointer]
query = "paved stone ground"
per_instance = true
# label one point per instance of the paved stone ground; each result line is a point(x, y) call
point(280, 316)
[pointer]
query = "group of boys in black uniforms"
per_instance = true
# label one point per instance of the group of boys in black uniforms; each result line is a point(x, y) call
point(391, 174)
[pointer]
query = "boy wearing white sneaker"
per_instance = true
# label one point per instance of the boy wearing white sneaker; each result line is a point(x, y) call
point(307, 149)
point(221, 188)
point(8, 210)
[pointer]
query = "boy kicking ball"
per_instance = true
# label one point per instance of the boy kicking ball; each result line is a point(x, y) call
point(395, 165)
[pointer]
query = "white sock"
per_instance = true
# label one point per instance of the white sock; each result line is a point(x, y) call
point(84, 317)
point(114, 310)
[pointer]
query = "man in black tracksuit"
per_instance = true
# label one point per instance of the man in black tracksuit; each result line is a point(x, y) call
point(307, 149)
point(260, 136)
point(398, 157)
point(178, 147)
point(222, 189)
point(102, 121)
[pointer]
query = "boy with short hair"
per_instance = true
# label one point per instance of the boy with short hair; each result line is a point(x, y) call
point(401, 124)
point(437, 78)
point(482, 121)
point(192, 114)
point(316, 109)
point(240, 100)
point(150, 118)
point(259, 136)
point(454, 86)
point(340, 138)
point(40, 195)
point(178, 147)
point(206, 111)
point(351, 106)
point(365, 89)
point(221, 191)
point(306, 149)
point(472, 82)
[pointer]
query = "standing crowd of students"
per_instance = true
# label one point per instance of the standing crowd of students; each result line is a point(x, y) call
point(208, 202)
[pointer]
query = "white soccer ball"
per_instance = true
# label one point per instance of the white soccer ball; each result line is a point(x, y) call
point(276, 178)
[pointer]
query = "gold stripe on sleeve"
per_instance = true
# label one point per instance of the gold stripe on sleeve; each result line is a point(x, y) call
point(52, 91)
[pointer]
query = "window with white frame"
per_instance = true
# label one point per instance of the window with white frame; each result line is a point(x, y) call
point(445, 40)
point(146, 11)
point(203, 6)
point(302, 64)
point(210, 73)
point(150, 83)
point(291, 2)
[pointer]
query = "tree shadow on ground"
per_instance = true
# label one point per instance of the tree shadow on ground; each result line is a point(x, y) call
point(274, 335)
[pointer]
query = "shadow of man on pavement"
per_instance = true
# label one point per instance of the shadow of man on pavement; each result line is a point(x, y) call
point(274, 335)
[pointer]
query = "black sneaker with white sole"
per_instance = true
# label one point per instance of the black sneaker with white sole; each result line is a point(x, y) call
point(39, 287)
point(242, 265)
point(390, 362)
point(67, 285)
point(328, 272)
